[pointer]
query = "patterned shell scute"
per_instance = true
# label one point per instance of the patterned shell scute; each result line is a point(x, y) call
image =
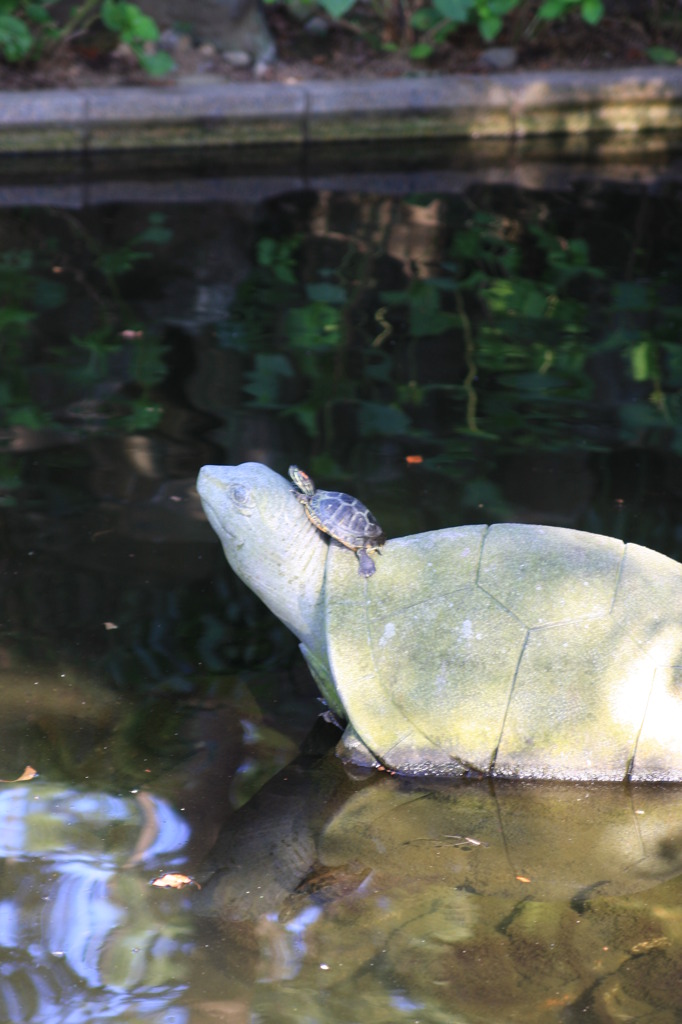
point(344, 517)
point(572, 580)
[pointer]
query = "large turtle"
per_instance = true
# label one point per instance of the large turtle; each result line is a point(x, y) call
point(510, 650)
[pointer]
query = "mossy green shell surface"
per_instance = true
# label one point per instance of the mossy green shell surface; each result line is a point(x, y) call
point(514, 650)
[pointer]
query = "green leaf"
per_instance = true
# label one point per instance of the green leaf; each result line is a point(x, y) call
point(314, 326)
point(156, 233)
point(490, 27)
point(143, 415)
point(630, 296)
point(534, 304)
point(384, 420)
point(455, 10)
point(592, 11)
point(278, 257)
point(156, 65)
point(580, 251)
point(325, 291)
point(639, 416)
point(28, 416)
point(98, 342)
point(337, 8)
point(15, 318)
point(49, 294)
point(231, 334)
point(431, 323)
point(643, 362)
point(502, 6)
point(147, 366)
point(424, 19)
point(120, 261)
point(16, 40)
point(394, 298)
point(662, 55)
point(37, 12)
point(16, 260)
point(263, 382)
point(128, 22)
point(306, 417)
point(420, 51)
point(552, 9)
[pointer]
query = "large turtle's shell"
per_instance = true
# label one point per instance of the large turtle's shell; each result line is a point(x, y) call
point(513, 650)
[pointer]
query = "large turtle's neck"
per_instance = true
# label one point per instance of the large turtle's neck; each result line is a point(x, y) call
point(300, 566)
point(269, 542)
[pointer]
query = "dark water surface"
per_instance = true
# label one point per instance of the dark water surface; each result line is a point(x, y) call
point(477, 355)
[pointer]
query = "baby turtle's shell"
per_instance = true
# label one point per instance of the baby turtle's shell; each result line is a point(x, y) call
point(343, 517)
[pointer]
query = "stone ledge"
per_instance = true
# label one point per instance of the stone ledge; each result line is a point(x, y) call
point(43, 121)
point(207, 115)
point(509, 105)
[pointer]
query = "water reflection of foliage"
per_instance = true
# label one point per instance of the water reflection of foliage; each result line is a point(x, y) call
point(97, 367)
point(508, 333)
point(518, 343)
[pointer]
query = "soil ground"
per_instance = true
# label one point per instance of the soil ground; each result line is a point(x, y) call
point(623, 38)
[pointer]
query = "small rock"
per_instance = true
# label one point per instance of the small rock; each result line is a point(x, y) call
point(299, 9)
point(174, 42)
point(263, 68)
point(499, 58)
point(238, 58)
point(265, 59)
point(122, 51)
point(316, 26)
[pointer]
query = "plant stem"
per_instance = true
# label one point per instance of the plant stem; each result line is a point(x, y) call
point(81, 17)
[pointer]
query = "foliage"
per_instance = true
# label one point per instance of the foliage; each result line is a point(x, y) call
point(29, 30)
point(421, 26)
point(515, 317)
point(34, 291)
point(592, 11)
point(135, 28)
point(663, 55)
point(445, 16)
point(515, 335)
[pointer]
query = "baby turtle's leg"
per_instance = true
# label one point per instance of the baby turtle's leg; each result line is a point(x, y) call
point(366, 566)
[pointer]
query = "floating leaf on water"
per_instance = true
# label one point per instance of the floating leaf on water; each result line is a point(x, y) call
point(174, 881)
point(27, 774)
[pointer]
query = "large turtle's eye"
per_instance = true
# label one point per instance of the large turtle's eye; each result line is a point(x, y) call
point(241, 497)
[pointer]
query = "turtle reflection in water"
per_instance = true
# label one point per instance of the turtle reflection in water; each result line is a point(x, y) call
point(343, 517)
point(320, 868)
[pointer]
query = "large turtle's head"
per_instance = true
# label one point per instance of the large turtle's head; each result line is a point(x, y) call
point(269, 541)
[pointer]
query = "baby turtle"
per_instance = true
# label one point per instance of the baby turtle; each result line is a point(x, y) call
point(341, 516)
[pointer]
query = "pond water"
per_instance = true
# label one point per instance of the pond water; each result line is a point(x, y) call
point(470, 355)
